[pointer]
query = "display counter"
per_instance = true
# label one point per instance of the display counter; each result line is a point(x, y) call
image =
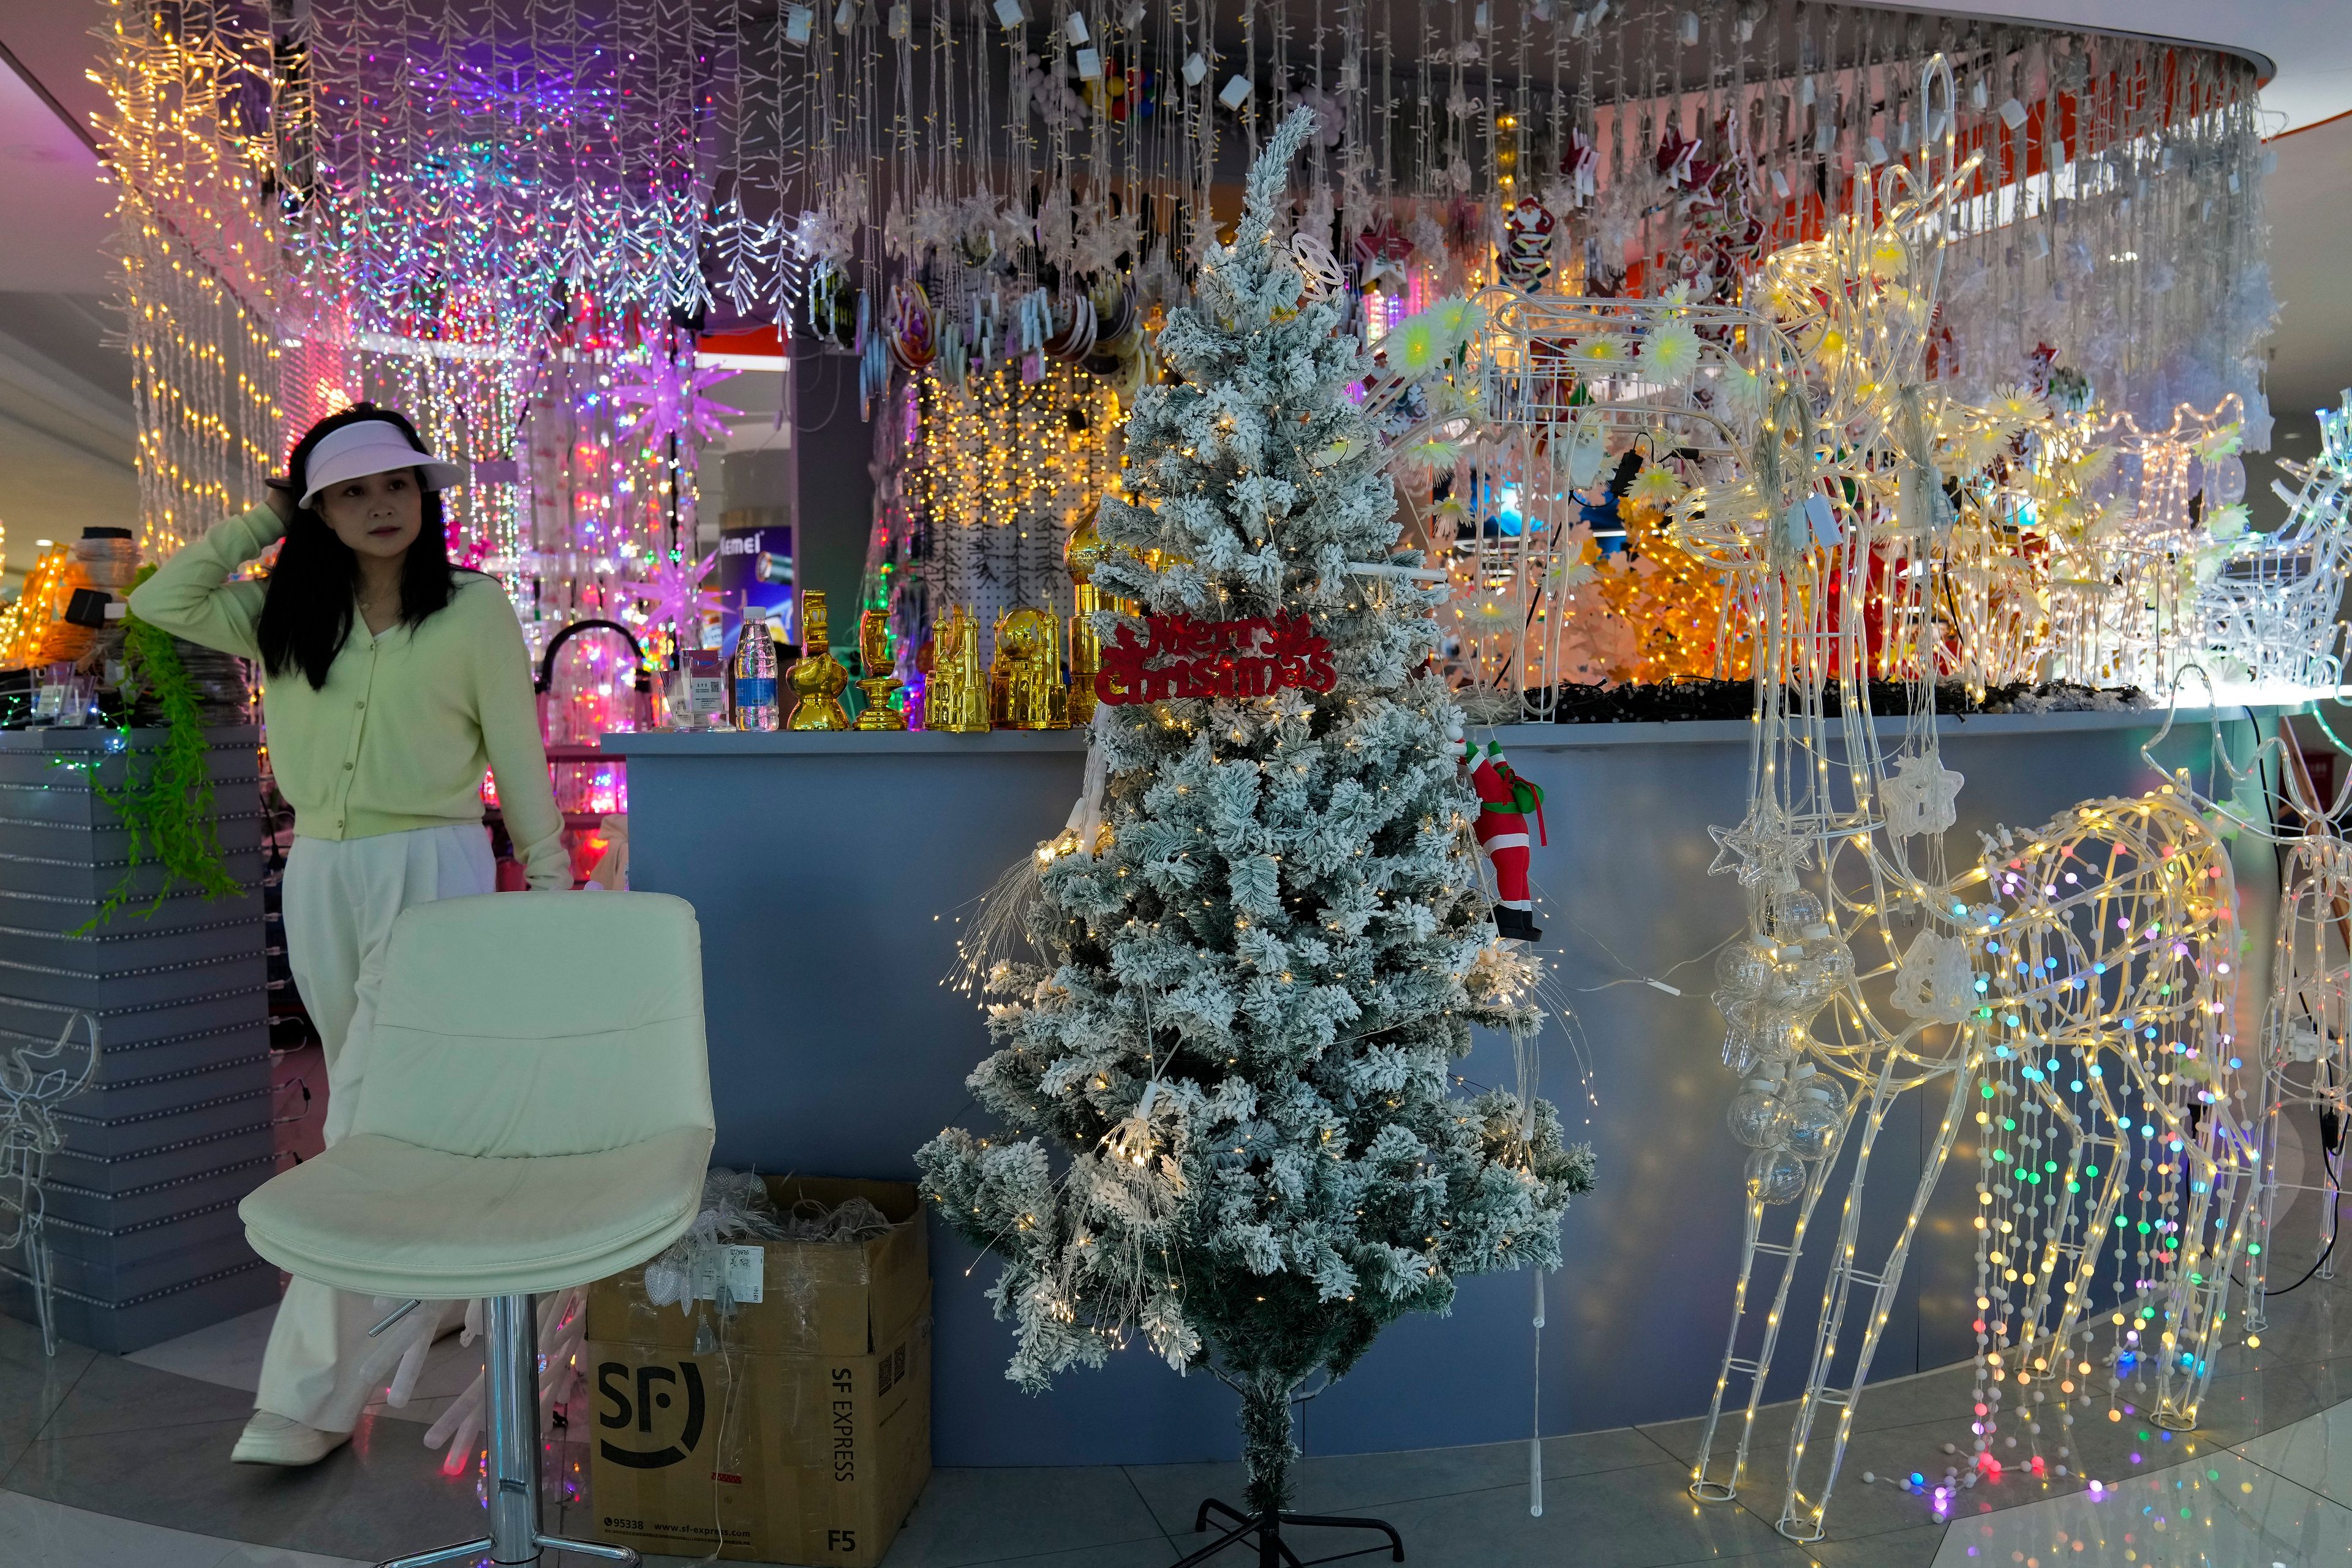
point(176, 1125)
point(831, 872)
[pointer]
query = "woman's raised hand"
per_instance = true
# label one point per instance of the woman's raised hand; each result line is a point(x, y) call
point(280, 493)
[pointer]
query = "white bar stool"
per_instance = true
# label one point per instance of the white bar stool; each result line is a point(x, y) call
point(534, 1113)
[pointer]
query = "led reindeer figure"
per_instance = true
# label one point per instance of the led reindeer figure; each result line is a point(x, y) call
point(2271, 609)
point(2105, 1112)
point(2133, 604)
point(2307, 1047)
point(1826, 807)
point(34, 1081)
point(2306, 1039)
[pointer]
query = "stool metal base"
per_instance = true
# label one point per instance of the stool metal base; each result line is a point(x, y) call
point(510, 1386)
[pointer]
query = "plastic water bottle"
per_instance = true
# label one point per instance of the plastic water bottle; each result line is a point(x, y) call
point(756, 706)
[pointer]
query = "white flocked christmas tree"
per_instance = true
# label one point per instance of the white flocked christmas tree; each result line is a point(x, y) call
point(1231, 1129)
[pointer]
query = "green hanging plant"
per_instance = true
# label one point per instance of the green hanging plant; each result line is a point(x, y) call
point(168, 805)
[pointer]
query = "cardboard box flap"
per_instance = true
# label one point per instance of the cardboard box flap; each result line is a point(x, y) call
point(815, 1298)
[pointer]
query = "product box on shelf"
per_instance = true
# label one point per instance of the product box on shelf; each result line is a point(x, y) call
point(797, 1430)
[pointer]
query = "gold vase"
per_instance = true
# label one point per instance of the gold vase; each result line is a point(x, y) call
point(1024, 683)
point(816, 677)
point(955, 694)
point(873, 653)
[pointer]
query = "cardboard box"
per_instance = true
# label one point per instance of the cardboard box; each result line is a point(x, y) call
point(807, 1437)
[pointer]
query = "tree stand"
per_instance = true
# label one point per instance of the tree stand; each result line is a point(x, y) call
point(1273, 1552)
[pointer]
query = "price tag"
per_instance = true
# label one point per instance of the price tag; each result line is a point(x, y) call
point(746, 1273)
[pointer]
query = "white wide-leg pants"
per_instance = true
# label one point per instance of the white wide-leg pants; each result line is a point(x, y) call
point(340, 898)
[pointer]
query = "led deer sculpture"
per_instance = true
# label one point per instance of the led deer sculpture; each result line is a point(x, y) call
point(1841, 848)
point(2105, 1087)
point(2307, 1045)
point(2273, 602)
point(1822, 1067)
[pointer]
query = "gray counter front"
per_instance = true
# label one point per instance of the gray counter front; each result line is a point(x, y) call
point(830, 871)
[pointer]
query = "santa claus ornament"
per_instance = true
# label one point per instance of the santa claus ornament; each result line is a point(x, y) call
point(1505, 801)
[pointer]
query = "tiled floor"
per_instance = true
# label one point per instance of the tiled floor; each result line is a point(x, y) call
point(108, 1461)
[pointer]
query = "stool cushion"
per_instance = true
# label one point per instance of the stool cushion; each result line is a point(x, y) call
point(377, 1215)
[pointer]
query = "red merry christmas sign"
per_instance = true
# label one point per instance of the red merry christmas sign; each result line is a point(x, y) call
point(1184, 657)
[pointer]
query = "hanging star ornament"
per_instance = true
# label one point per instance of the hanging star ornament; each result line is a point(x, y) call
point(672, 591)
point(670, 402)
point(1762, 850)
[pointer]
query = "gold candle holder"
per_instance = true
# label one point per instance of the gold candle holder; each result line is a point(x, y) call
point(955, 695)
point(873, 653)
point(816, 677)
point(1024, 683)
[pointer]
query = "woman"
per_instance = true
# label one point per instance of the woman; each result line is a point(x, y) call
point(391, 680)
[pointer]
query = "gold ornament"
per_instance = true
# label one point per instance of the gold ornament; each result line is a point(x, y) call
point(1081, 554)
point(873, 653)
point(1024, 683)
point(955, 696)
point(816, 677)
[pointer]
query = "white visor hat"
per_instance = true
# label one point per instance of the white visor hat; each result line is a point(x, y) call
point(368, 447)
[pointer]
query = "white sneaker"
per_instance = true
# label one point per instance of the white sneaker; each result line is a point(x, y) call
point(270, 1439)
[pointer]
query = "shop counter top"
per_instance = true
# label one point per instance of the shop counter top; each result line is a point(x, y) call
point(833, 874)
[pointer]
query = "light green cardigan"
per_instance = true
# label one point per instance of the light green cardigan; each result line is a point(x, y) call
point(401, 733)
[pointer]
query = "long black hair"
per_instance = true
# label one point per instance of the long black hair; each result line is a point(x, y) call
point(306, 610)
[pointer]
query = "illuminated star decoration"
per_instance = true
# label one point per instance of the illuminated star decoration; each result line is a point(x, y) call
point(672, 593)
point(1763, 849)
point(670, 400)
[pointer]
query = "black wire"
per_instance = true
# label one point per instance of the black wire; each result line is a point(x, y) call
point(2334, 1193)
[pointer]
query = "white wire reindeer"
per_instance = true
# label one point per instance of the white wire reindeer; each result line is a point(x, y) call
point(1822, 1067)
point(2109, 1113)
point(35, 1080)
point(1842, 850)
point(2305, 1053)
point(2273, 605)
point(2306, 1049)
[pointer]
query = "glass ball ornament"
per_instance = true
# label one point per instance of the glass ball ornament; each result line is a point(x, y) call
point(1782, 1039)
point(1834, 958)
point(1775, 1175)
point(1790, 912)
point(1742, 968)
point(1756, 1120)
point(1813, 1126)
point(2225, 481)
point(1825, 1085)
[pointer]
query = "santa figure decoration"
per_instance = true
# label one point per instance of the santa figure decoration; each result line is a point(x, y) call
point(1504, 799)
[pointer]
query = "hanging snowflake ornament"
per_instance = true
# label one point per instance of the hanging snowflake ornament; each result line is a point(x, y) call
point(1318, 270)
point(1934, 980)
point(669, 398)
point(1921, 796)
